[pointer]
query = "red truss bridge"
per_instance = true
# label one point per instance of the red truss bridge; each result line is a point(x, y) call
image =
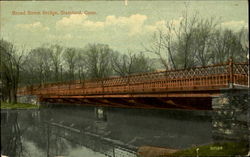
point(191, 88)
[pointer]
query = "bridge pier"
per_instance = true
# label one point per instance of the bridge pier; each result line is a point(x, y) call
point(100, 124)
point(231, 116)
point(100, 113)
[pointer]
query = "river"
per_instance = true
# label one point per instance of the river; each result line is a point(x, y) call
point(100, 131)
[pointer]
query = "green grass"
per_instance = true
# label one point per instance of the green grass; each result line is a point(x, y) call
point(216, 149)
point(5, 105)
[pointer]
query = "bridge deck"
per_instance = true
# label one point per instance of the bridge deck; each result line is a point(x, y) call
point(195, 82)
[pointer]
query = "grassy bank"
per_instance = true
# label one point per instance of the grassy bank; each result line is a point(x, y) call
point(217, 149)
point(5, 105)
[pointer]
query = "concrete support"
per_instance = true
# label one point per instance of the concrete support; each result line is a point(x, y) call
point(100, 113)
point(230, 118)
point(100, 124)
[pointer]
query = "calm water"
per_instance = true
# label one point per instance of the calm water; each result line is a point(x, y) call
point(99, 132)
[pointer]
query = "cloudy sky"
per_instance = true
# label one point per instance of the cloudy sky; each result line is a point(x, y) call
point(121, 26)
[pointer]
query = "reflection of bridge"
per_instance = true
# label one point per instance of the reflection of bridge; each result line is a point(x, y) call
point(195, 83)
point(95, 142)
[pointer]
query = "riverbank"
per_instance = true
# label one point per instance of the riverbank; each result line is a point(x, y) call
point(5, 105)
point(216, 149)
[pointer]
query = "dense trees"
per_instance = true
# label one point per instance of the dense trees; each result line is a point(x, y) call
point(197, 42)
point(55, 63)
point(56, 59)
point(11, 64)
point(227, 43)
point(70, 57)
point(98, 63)
point(38, 66)
point(126, 64)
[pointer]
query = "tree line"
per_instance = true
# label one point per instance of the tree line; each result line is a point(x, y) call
point(194, 42)
point(198, 42)
point(55, 63)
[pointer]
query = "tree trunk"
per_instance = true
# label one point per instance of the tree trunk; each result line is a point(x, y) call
point(56, 73)
point(13, 97)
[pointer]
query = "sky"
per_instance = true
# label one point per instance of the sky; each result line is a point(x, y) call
point(122, 26)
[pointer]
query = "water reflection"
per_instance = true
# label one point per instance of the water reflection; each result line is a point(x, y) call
point(99, 131)
point(11, 134)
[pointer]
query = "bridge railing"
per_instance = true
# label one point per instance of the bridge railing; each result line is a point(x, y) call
point(213, 76)
point(241, 73)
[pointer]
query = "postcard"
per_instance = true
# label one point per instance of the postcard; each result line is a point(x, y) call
point(125, 78)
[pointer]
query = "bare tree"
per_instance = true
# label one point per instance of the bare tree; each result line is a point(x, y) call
point(122, 64)
point(11, 63)
point(229, 44)
point(126, 64)
point(56, 59)
point(162, 47)
point(70, 58)
point(81, 65)
point(203, 41)
point(184, 56)
point(186, 43)
point(39, 64)
point(174, 45)
point(98, 60)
